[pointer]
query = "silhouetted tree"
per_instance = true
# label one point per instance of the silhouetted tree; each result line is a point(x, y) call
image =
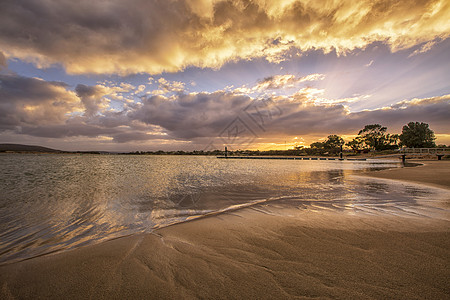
point(357, 144)
point(333, 143)
point(375, 137)
point(417, 135)
point(317, 148)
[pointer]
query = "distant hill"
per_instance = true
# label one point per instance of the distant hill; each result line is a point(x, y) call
point(26, 148)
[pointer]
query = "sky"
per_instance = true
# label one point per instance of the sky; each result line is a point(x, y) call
point(152, 75)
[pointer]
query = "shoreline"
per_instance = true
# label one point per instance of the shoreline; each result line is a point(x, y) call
point(428, 172)
point(248, 254)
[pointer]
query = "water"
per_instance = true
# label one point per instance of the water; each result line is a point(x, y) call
point(55, 202)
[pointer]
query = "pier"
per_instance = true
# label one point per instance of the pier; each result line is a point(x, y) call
point(439, 152)
point(291, 158)
point(402, 154)
point(418, 152)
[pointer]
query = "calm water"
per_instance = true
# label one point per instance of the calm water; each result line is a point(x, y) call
point(55, 202)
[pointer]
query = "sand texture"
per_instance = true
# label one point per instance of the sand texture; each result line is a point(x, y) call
point(251, 255)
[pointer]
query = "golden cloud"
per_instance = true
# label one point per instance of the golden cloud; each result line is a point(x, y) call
point(154, 36)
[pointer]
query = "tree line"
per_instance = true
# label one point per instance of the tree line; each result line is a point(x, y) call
point(372, 137)
point(375, 137)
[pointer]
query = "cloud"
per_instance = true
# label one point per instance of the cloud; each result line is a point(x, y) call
point(334, 117)
point(369, 64)
point(135, 36)
point(140, 89)
point(191, 115)
point(34, 107)
point(165, 87)
point(92, 98)
point(424, 48)
point(3, 63)
point(33, 101)
point(275, 82)
point(125, 137)
point(70, 129)
point(209, 114)
point(285, 81)
point(97, 99)
point(434, 111)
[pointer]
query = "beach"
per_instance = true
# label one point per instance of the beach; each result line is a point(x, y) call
point(251, 254)
point(430, 172)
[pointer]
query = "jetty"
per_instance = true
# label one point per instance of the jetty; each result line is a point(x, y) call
point(290, 157)
point(418, 152)
point(402, 154)
point(341, 157)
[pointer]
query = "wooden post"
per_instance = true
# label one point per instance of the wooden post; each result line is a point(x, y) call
point(403, 158)
point(226, 152)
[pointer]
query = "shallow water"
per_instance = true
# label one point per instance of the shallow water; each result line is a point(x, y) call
point(55, 202)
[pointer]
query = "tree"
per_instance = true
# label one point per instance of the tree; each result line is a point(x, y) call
point(333, 143)
point(317, 148)
point(317, 145)
point(393, 141)
point(375, 137)
point(357, 144)
point(417, 135)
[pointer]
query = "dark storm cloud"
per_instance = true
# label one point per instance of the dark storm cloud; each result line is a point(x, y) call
point(118, 36)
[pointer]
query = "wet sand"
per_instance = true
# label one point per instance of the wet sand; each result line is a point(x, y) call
point(249, 254)
point(431, 172)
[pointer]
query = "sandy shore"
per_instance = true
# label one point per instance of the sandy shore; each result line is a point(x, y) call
point(248, 254)
point(431, 172)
